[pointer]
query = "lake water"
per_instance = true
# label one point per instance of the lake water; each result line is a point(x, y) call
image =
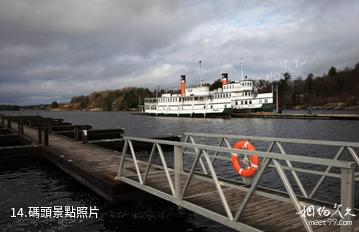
point(41, 184)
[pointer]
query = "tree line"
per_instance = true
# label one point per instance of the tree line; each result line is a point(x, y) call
point(331, 87)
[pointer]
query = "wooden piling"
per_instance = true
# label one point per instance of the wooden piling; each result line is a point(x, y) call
point(76, 133)
point(9, 122)
point(84, 136)
point(46, 135)
point(22, 128)
point(39, 135)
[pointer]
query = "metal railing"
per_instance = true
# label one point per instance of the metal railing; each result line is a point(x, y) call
point(341, 146)
point(203, 156)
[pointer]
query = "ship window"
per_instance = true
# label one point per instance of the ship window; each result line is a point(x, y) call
point(266, 100)
point(250, 102)
point(241, 102)
point(245, 102)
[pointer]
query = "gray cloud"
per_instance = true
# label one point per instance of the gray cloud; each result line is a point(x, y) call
point(52, 50)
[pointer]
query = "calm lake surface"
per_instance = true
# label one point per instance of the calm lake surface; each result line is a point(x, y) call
point(41, 184)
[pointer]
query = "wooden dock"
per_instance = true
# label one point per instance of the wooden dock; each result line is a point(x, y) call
point(118, 177)
point(297, 116)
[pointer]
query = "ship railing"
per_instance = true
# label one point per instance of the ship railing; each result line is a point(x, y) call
point(174, 165)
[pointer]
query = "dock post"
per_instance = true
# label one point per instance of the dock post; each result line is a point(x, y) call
point(84, 136)
point(49, 126)
point(46, 135)
point(39, 134)
point(9, 122)
point(22, 127)
point(178, 169)
point(19, 126)
point(347, 197)
point(76, 133)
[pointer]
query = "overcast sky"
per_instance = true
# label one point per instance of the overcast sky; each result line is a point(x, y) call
point(53, 50)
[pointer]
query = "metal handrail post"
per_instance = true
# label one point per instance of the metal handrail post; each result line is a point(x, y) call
point(327, 170)
point(149, 162)
point(254, 184)
point(164, 165)
point(190, 174)
point(137, 167)
point(347, 196)
point(294, 174)
point(123, 157)
point(200, 159)
point(178, 169)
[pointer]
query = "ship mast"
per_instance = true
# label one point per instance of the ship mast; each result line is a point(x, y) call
point(200, 72)
point(242, 68)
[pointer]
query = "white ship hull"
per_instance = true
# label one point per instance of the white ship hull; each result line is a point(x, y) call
point(199, 101)
point(181, 107)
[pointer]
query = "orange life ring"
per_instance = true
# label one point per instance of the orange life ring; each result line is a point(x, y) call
point(252, 169)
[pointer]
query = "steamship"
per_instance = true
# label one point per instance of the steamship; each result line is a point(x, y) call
point(245, 97)
point(195, 101)
point(199, 101)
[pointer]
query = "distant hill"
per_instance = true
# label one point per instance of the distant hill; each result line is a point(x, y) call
point(9, 107)
point(111, 100)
